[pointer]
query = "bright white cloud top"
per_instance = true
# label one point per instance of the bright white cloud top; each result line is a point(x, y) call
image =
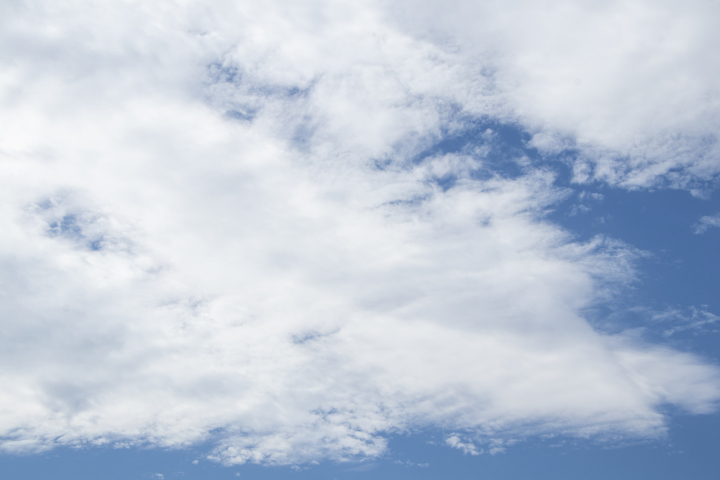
point(217, 223)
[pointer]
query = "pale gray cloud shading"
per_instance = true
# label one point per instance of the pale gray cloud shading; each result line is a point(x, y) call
point(217, 224)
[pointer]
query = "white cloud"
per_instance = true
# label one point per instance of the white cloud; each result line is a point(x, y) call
point(214, 220)
point(706, 222)
point(629, 85)
point(467, 447)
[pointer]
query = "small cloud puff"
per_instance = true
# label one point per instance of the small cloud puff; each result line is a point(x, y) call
point(467, 447)
point(706, 222)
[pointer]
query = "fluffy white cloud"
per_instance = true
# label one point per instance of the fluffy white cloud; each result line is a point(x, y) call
point(216, 224)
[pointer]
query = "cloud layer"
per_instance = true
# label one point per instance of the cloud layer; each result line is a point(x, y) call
point(222, 223)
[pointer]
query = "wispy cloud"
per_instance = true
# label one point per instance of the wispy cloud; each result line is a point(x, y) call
point(707, 222)
point(467, 447)
point(695, 319)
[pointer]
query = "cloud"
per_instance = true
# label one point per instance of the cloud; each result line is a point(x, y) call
point(469, 447)
point(706, 222)
point(223, 224)
point(628, 87)
point(693, 319)
point(408, 463)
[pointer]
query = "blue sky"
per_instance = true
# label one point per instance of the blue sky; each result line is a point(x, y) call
point(329, 239)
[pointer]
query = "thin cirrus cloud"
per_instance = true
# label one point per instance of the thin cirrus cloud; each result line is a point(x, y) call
point(221, 223)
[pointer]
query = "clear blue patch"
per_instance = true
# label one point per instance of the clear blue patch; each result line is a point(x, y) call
point(70, 227)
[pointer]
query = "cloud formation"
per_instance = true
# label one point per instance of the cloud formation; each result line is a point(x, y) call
point(222, 223)
point(706, 222)
point(628, 87)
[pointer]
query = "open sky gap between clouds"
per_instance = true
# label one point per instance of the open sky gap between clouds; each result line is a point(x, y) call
point(292, 228)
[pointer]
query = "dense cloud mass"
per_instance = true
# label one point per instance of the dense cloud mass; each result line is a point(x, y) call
point(229, 221)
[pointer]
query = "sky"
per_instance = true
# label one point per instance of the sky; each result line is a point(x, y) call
point(348, 240)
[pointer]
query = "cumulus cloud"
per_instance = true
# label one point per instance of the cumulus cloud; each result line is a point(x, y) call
point(220, 223)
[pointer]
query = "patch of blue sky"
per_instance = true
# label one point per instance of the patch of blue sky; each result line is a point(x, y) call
point(70, 226)
point(503, 149)
point(67, 227)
